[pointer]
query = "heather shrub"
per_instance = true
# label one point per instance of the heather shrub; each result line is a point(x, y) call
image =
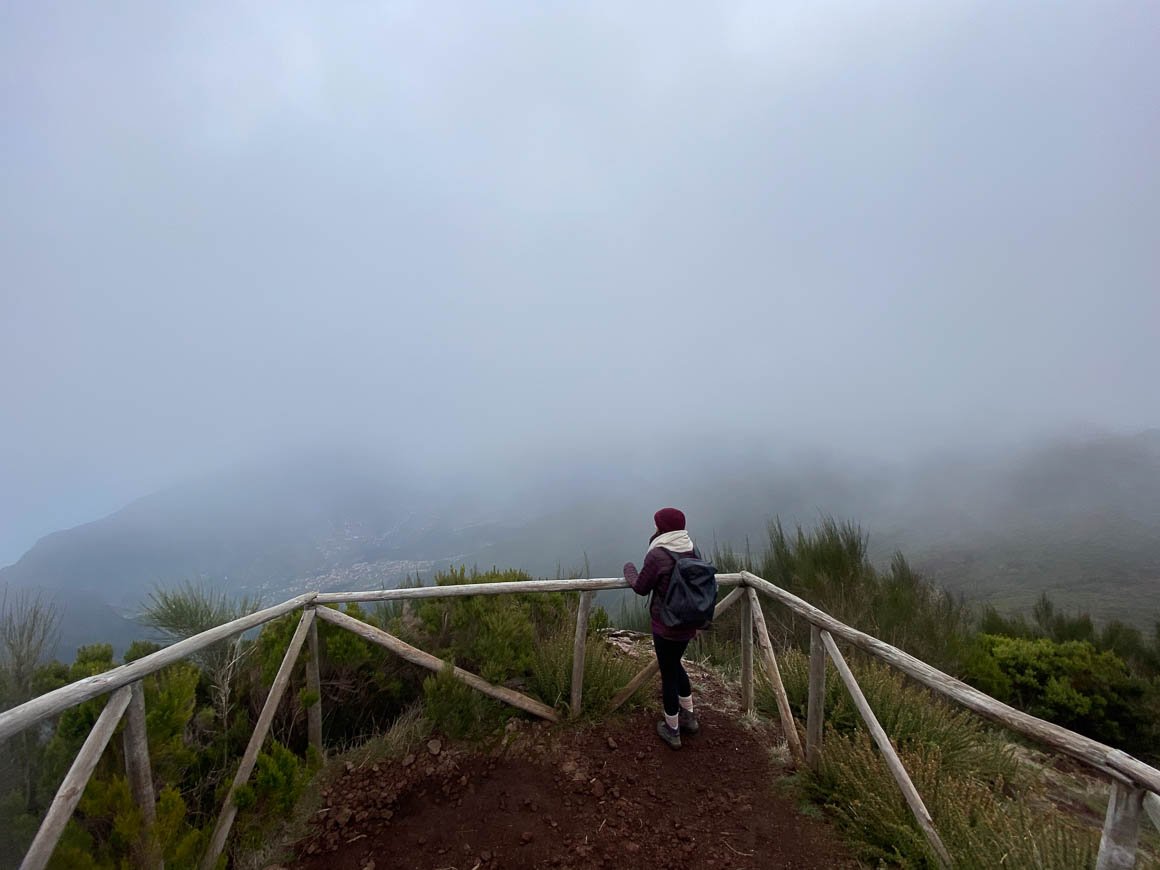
point(910, 714)
point(459, 711)
point(829, 566)
point(495, 636)
point(984, 804)
point(984, 824)
point(605, 672)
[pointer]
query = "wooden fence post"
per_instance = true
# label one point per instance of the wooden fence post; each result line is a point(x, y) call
point(314, 687)
point(747, 654)
point(893, 762)
point(1121, 828)
point(73, 786)
point(579, 648)
point(1152, 807)
point(140, 775)
point(774, 673)
point(229, 811)
point(816, 705)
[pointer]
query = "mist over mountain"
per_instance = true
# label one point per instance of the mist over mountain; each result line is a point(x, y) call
point(1079, 519)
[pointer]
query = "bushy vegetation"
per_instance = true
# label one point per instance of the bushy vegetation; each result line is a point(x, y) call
point(829, 566)
point(522, 641)
point(987, 808)
point(1069, 683)
point(201, 712)
point(1101, 681)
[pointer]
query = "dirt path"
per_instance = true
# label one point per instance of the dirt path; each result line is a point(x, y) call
point(608, 795)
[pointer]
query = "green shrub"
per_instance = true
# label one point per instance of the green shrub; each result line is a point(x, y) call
point(829, 566)
point(982, 801)
point(911, 715)
point(981, 826)
point(363, 684)
point(457, 710)
point(1068, 683)
point(278, 778)
point(265, 803)
point(495, 636)
point(605, 672)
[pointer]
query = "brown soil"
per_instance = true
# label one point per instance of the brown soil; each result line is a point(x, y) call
point(607, 795)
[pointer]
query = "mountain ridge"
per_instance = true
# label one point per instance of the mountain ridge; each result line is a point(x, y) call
point(1076, 519)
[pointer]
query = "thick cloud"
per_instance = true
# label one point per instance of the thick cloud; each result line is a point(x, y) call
point(477, 232)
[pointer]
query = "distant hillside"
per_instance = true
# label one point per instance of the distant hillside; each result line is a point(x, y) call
point(264, 530)
point(1079, 520)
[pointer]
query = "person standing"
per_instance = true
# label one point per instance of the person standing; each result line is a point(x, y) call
point(669, 642)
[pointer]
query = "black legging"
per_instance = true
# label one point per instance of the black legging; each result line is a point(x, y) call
point(674, 680)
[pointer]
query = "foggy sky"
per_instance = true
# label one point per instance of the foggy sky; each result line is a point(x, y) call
point(463, 233)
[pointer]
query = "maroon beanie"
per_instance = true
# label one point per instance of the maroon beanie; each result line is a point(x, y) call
point(669, 520)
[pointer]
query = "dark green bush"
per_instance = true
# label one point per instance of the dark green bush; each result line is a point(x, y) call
point(459, 711)
point(605, 672)
point(495, 636)
point(1069, 683)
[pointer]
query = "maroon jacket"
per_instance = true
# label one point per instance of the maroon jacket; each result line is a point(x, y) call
point(654, 575)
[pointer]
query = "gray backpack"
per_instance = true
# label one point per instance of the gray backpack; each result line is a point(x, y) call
point(692, 593)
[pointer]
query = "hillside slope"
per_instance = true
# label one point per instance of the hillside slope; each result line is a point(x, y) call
point(1079, 520)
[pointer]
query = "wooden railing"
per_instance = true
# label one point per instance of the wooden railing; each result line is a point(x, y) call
point(1133, 783)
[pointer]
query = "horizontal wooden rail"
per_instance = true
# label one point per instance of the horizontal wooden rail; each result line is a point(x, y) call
point(596, 584)
point(51, 703)
point(1112, 762)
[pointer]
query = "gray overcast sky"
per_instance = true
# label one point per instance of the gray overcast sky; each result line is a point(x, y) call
point(464, 230)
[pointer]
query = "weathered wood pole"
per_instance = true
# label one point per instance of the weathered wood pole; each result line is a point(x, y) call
point(140, 775)
point(432, 663)
point(579, 648)
point(747, 654)
point(1152, 807)
point(314, 687)
point(816, 703)
point(229, 811)
point(73, 786)
point(893, 762)
point(652, 668)
point(1111, 762)
point(1121, 828)
point(51, 703)
point(411, 593)
point(774, 673)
